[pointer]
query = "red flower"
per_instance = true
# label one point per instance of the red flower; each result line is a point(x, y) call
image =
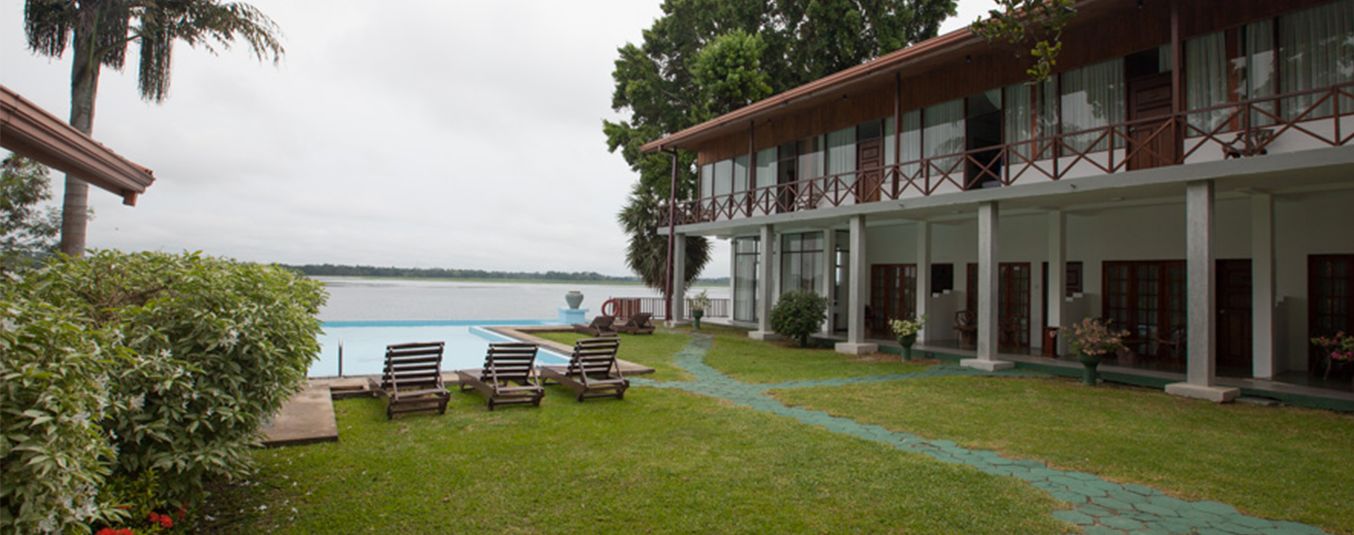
point(183, 511)
point(166, 522)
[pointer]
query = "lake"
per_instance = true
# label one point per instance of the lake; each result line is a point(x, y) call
point(362, 299)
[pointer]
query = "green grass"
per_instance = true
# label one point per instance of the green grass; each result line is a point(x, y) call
point(659, 461)
point(754, 361)
point(653, 350)
point(1283, 463)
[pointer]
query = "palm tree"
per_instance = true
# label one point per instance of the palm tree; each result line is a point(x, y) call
point(99, 32)
point(647, 251)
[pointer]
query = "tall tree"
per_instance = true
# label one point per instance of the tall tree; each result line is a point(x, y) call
point(99, 32)
point(27, 231)
point(704, 58)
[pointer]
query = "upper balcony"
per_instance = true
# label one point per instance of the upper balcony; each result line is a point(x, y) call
point(1288, 122)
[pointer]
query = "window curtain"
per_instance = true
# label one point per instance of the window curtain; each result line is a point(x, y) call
point(740, 174)
point(707, 180)
point(1316, 50)
point(1018, 124)
point(944, 135)
point(1206, 81)
point(1048, 118)
point(841, 154)
point(890, 149)
point(811, 158)
point(723, 179)
point(1092, 98)
point(911, 145)
point(1257, 75)
point(745, 279)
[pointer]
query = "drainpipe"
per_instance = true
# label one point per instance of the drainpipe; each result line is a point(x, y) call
point(672, 228)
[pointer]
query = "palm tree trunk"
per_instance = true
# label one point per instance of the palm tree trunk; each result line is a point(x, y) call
point(84, 88)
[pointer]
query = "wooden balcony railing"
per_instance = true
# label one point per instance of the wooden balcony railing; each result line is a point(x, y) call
point(1242, 129)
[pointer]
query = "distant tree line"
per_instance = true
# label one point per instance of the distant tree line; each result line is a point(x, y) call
point(337, 270)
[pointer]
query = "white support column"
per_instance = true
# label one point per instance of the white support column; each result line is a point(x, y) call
point(1263, 358)
point(923, 275)
point(678, 281)
point(856, 296)
point(827, 277)
point(1056, 292)
point(1200, 311)
point(987, 292)
point(765, 284)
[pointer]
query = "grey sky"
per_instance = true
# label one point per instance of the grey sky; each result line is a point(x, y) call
point(411, 133)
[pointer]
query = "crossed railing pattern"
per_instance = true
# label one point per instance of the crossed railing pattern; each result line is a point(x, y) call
point(1254, 125)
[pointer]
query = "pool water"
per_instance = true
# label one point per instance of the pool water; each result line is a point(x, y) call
point(364, 344)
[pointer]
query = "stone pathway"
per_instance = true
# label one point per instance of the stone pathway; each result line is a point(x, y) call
point(1098, 505)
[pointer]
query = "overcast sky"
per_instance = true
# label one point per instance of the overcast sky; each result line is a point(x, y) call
point(410, 133)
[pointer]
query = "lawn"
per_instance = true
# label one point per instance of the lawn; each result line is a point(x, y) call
point(653, 350)
point(754, 361)
point(1283, 463)
point(659, 461)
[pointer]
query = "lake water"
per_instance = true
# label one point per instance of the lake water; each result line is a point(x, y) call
point(365, 315)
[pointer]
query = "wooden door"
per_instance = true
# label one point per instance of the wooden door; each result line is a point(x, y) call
point(869, 163)
point(1234, 316)
point(1151, 143)
point(971, 288)
point(1147, 299)
point(1013, 306)
point(1330, 301)
point(893, 295)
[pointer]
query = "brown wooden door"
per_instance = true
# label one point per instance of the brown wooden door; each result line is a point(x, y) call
point(870, 162)
point(1234, 316)
point(1330, 301)
point(893, 295)
point(971, 288)
point(1147, 299)
point(1013, 306)
point(1152, 143)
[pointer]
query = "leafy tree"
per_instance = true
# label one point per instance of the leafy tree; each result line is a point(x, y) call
point(1036, 23)
point(98, 32)
point(704, 58)
point(26, 229)
point(799, 314)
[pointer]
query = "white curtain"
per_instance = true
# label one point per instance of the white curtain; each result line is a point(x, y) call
point(944, 135)
point(740, 174)
point(810, 158)
point(1206, 80)
point(911, 144)
point(1048, 117)
point(745, 279)
point(1316, 50)
point(1092, 98)
point(841, 154)
point(707, 180)
point(723, 179)
point(1257, 65)
point(1018, 124)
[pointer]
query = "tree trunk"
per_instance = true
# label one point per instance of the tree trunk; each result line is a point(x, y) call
point(84, 88)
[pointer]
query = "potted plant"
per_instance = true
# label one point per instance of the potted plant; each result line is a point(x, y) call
point(698, 306)
point(906, 331)
point(1338, 348)
point(1092, 339)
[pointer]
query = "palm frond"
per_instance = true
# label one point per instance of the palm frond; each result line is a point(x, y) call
point(48, 24)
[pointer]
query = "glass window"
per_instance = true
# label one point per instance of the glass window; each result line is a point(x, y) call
point(801, 260)
point(740, 173)
point(890, 148)
point(707, 180)
point(1314, 52)
point(746, 262)
point(810, 158)
point(1206, 79)
point(1092, 98)
point(1018, 124)
point(911, 144)
point(766, 167)
point(943, 136)
point(723, 177)
point(841, 154)
point(1255, 63)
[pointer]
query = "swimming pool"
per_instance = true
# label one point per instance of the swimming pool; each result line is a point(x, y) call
point(364, 343)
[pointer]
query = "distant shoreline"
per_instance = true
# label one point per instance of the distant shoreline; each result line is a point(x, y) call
point(558, 282)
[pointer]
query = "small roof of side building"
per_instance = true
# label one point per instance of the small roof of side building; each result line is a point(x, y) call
point(31, 131)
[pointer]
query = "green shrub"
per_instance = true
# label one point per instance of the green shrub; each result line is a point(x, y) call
point(213, 347)
point(53, 382)
point(798, 315)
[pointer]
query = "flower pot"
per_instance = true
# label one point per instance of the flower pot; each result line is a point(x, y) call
point(906, 342)
point(1089, 374)
point(574, 298)
point(696, 319)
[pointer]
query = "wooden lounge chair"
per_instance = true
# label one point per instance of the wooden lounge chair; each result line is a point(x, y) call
point(592, 370)
point(600, 326)
point(638, 324)
point(412, 380)
point(508, 377)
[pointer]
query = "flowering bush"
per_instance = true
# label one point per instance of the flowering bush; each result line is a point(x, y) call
point(1340, 347)
point(902, 328)
point(701, 302)
point(1093, 337)
point(187, 354)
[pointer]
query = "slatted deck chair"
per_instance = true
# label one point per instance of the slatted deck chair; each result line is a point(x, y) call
point(600, 326)
point(508, 377)
point(638, 324)
point(412, 379)
point(593, 370)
